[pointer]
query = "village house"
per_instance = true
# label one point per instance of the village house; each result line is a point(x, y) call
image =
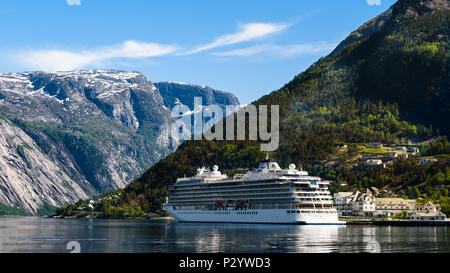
point(354, 203)
point(90, 205)
point(375, 145)
point(424, 161)
point(389, 156)
point(374, 163)
point(428, 212)
point(413, 150)
point(364, 205)
point(341, 146)
point(400, 148)
point(342, 202)
point(341, 183)
point(366, 157)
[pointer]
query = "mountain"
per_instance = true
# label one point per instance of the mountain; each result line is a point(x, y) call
point(172, 92)
point(70, 135)
point(387, 82)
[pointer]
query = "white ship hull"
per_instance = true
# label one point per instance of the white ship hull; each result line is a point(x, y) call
point(269, 216)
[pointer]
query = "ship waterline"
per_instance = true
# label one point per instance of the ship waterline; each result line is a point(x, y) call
point(267, 195)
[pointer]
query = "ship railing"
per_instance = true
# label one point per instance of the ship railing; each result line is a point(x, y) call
point(261, 206)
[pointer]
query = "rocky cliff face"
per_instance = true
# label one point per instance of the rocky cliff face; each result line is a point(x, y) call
point(69, 135)
point(185, 93)
point(29, 178)
point(174, 93)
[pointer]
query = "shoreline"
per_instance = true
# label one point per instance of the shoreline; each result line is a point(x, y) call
point(112, 218)
point(398, 223)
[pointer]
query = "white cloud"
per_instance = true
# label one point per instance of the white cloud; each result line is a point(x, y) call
point(54, 59)
point(248, 32)
point(73, 2)
point(278, 50)
point(373, 2)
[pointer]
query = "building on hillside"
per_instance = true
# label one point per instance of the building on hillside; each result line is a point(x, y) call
point(400, 148)
point(341, 146)
point(413, 150)
point(90, 204)
point(375, 145)
point(427, 160)
point(373, 163)
point(428, 212)
point(368, 156)
point(393, 206)
point(389, 156)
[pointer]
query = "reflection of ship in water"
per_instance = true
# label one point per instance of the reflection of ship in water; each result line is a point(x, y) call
point(226, 237)
point(267, 195)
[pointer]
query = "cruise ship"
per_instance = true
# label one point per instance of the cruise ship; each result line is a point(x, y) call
point(267, 195)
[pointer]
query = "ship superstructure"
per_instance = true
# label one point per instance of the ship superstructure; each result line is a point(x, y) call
point(267, 195)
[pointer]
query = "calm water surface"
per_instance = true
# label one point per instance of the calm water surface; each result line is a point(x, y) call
point(34, 234)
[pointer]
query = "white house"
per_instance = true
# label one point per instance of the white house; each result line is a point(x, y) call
point(364, 205)
point(428, 212)
point(375, 145)
point(400, 148)
point(374, 163)
point(90, 205)
point(424, 161)
point(390, 155)
point(342, 202)
point(354, 203)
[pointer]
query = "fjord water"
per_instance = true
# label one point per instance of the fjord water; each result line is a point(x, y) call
point(35, 234)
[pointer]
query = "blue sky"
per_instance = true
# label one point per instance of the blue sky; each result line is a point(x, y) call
point(246, 47)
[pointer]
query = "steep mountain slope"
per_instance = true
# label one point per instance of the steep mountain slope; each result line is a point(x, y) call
point(30, 179)
point(389, 85)
point(184, 93)
point(93, 131)
point(365, 31)
point(108, 123)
